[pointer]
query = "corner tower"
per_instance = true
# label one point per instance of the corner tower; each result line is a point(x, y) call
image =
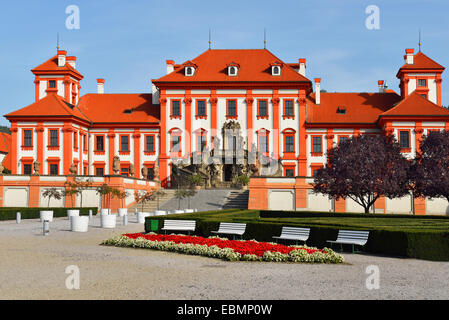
point(59, 75)
point(420, 74)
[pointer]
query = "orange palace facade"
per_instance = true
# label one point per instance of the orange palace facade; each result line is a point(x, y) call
point(277, 108)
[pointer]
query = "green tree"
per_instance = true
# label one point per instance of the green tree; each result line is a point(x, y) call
point(189, 194)
point(52, 193)
point(180, 194)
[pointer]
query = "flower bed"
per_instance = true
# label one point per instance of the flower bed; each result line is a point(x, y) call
point(222, 248)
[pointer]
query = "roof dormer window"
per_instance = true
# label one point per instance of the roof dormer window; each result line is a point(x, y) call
point(232, 71)
point(189, 71)
point(276, 70)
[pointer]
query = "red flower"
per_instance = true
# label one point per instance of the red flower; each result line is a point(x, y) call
point(242, 247)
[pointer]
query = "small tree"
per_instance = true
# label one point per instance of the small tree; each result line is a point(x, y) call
point(122, 196)
point(430, 170)
point(105, 192)
point(195, 179)
point(180, 194)
point(52, 193)
point(81, 186)
point(157, 194)
point(190, 193)
point(363, 169)
point(71, 191)
point(243, 180)
point(144, 198)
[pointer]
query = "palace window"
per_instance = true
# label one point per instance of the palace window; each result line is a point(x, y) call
point(52, 84)
point(75, 140)
point(124, 171)
point(276, 70)
point(342, 139)
point(315, 167)
point(99, 143)
point(189, 71)
point(149, 144)
point(54, 168)
point(262, 106)
point(54, 138)
point(231, 109)
point(27, 168)
point(316, 146)
point(232, 71)
point(28, 138)
point(201, 109)
point(404, 140)
point(289, 169)
point(124, 143)
point(288, 109)
point(289, 142)
point(201, 142)
point(99, 171)
point(263, 141)
point(175, 109)
point(422, 83)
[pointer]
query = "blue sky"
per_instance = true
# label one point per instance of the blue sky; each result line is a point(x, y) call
point(127, 42)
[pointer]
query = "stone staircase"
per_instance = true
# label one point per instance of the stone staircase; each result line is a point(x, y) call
point(237, 199)
point(152, 205)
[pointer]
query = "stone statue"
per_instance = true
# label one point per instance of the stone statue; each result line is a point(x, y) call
point(72, 169)
point(36, 167)
point(156, 171)
point(131, 170)
point(144, 172)
point(216, 143)
point(255, 168)
point(116, 165)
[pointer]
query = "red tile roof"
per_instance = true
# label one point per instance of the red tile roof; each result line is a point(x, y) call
point(254, 67)
point(51, 105)
point(51, 65)
point(416, 105)
point(360, 107)
point(5, 147)
point(421, 61)
point(116, 108)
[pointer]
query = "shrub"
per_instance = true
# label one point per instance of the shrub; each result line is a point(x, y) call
point(34, 213)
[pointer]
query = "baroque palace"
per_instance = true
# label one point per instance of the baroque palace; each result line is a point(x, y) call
point(221, 114)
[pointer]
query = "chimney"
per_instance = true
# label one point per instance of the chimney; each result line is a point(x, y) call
point(409, 56)
point(72, 62)
point(61, 58)
point(154, 94)
point(317, 90)
point(100, 86)
point(170, 66)
point(380, 83)
point(302, 67)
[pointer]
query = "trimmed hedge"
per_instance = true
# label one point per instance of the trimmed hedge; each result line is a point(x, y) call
point(414, 243)
point(34, 213)
point(316, 214)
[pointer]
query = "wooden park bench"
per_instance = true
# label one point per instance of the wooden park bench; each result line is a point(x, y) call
point(179, 225)
point(231, 228)
point(295, 234)
point(352, 237)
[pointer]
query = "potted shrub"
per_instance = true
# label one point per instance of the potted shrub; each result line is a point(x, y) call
point(50, 193)
point(243, 180)
point(196, 180)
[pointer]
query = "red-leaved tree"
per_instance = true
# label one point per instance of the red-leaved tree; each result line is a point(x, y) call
point(430, 170)
point(364, 168)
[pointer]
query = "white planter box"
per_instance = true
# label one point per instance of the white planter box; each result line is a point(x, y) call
point(122, 211)
point(72, 213)
point(160, 213)
point(105, 211)
point(141, 216)
point(108, 221)
point(46, 215)
point(188, 210)
point(79, 224)
point(178, 211)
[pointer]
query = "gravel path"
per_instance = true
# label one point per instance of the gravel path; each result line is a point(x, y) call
point(33, 267)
